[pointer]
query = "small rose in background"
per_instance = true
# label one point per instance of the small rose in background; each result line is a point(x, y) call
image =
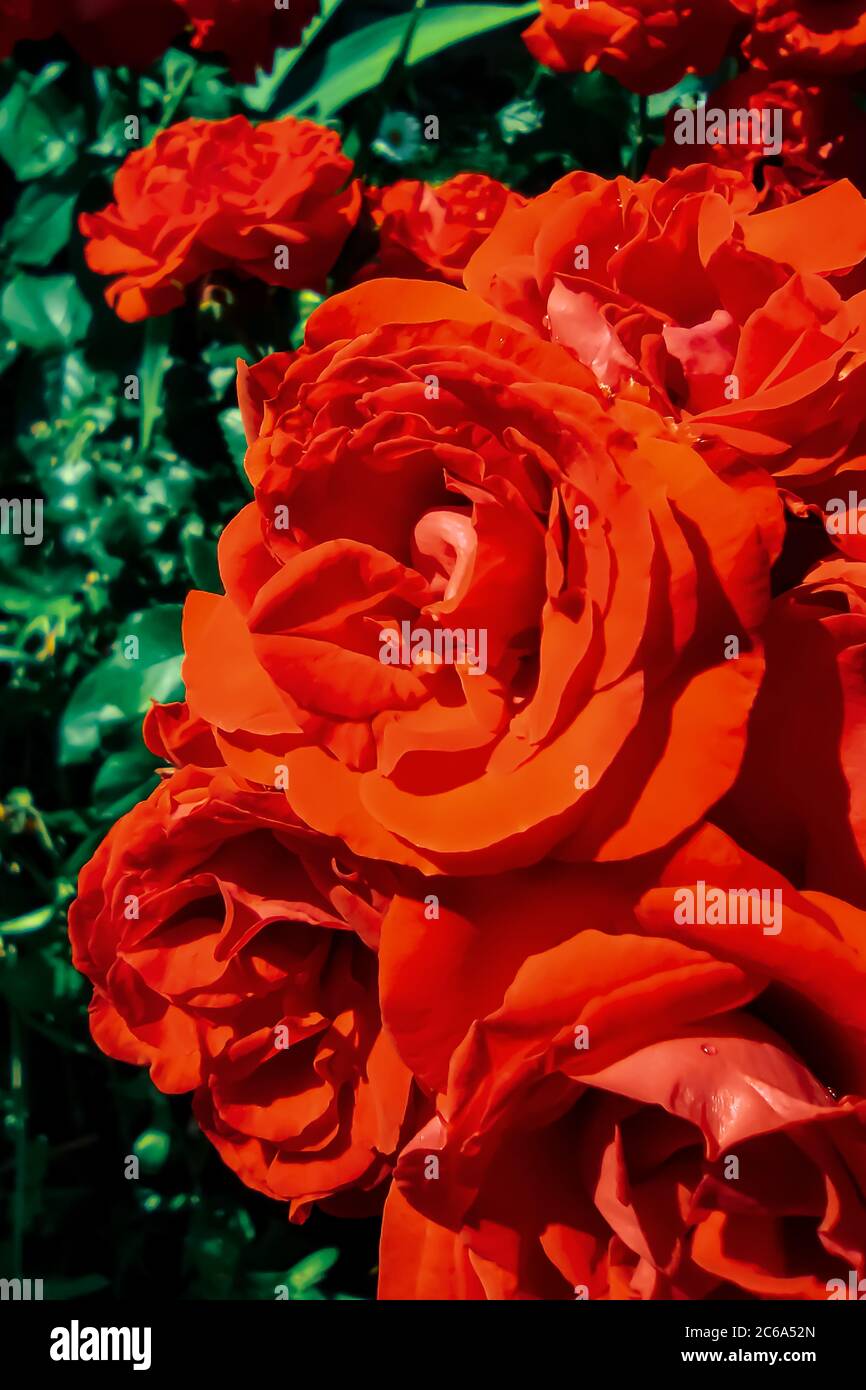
point(274, 202)
point(431, 231)
point(823, 132)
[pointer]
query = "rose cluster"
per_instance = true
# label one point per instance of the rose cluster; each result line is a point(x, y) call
point(507, 870)
point(803, 62)
point(648, 45)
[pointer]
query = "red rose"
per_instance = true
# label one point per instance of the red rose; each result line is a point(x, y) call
point(634, 1104)
point(233, 951)
point(248, 31)
point(747, 326)
point(430, 233)
point(811, 36)
point(272, 201)
point(647, 45)
point(822, 135)
point(481, 613)
point(801, 802)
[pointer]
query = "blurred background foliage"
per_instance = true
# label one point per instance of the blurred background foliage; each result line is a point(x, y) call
point(135, 494)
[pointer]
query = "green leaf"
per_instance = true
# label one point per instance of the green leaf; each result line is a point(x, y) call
point(221, 360)
point(260, 95)
point(211, 95)
point(39, 130)
point(232, 426)
point(120, 689)
point(155, 362)
point(122, 775)
point(111, 130)
point(30, 922)
point(69, 382)
point(200, 553)
point(313, 1269)
point(521, 117)
point(40, 225)
point(45, 311)
point(152, 1148)
point(359, 62)
point(685, 93)
point(130, 799)
point(307, 303)
point(47, 76)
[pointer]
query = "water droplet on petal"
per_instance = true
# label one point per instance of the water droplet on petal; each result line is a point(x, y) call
point(710, 1051)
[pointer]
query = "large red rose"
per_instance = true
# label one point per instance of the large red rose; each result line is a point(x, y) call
point(430, 232)
point(806, 36)
point(633, 1103)
point(800, 801)
point(823, 132)
point(248, 31)
point(233, 951)
point(482, 612)
point(746, 326)
point(273, 201)
point(647, 45)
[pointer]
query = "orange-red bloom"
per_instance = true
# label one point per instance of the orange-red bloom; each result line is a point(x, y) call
point(430, 233)
point(823, 132)
point(806, 36)
point(635, 1102)
point(747, 326)
point(233, 951)
point(801, 802)
point(274, 201)
point(247, 31)
point(478, 612)
point(647, 45)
